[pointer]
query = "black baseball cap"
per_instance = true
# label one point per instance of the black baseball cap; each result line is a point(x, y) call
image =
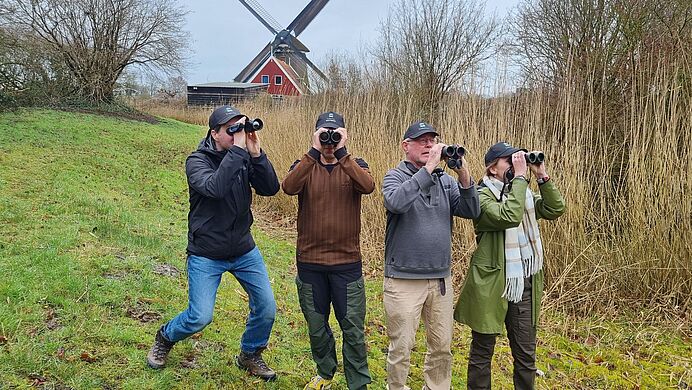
point(419, 128)
point(222, 115)
point(500, 149)
point(330, 120)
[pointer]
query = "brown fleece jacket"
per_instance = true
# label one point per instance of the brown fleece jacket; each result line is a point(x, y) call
point(328, 207)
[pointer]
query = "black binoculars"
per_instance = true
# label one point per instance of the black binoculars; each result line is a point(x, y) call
point(250, 126)
point(330, 137)
point(453, 155)
point(535, 158)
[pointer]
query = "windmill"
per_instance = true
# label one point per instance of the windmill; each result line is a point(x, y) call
point(285, 55)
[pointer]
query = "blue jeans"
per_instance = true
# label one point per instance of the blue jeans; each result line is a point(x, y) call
point(204, 276)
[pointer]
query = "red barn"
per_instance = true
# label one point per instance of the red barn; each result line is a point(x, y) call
point(280, 78)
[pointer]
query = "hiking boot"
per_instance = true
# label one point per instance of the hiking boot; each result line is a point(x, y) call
point(159, 351)
point(255, 365)
point(319, 383)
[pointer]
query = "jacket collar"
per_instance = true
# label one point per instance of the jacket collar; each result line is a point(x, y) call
point(208, 147)
point(407, 167)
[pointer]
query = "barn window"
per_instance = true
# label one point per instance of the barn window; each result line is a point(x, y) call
point(265, 79)
point(278, 80)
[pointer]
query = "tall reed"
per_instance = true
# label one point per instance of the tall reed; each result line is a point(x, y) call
point(625, 238)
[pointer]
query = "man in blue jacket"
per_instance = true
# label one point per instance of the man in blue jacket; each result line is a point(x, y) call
point(227, 162)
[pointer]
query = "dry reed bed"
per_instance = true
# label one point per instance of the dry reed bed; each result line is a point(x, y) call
point(625, 238)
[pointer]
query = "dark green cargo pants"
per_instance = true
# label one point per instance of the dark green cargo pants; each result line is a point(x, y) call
point(522, 341)
point(342, 287)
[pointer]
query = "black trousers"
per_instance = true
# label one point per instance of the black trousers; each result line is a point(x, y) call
point(522, 341)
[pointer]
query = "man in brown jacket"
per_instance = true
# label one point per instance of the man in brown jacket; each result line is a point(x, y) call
point(329, 184)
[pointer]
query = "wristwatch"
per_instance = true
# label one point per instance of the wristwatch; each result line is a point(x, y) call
point(542, 180)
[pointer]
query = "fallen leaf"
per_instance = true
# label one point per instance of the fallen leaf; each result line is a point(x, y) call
point(3, 340)
point(60, 353)
point(87, 357)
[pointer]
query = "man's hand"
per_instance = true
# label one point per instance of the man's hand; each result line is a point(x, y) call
point(253, 143)
point(519, 164)
point(316, 139)
point(344, 137)
point(463, 173)
point(434, 157)
point(240, 138)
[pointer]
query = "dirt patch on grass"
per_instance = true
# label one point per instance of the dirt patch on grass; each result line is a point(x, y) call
point(124, 114)
point(166, 270)
point(141, 312)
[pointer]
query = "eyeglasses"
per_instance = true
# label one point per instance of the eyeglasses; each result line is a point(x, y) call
point(424, 140)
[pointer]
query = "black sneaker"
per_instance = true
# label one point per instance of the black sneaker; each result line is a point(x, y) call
point(159, 351)
point(255, 365)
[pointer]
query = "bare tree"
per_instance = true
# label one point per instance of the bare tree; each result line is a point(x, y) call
point(98, 39)
point(173, 88)
point(597, 40)
point(427, 47)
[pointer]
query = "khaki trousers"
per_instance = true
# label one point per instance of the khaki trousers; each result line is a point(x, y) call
point(404, 302)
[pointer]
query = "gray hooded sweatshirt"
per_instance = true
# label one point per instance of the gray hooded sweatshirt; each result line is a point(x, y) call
point(420, 207)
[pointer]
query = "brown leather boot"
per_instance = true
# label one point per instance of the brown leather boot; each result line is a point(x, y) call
point(255, 365)
point(159, 351)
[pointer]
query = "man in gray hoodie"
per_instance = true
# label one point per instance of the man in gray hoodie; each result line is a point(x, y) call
point(421, 201)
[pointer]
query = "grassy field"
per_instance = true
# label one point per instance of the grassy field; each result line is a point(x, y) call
point(92, 238)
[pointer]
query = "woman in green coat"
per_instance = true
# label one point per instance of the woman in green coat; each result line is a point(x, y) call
point(504, 283)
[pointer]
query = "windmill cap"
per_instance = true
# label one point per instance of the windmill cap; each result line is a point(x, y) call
point(500, 149)
point(222, 115)
point(419, 128)
point(330, 119)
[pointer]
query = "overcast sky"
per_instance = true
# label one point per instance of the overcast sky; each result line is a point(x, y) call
point(226, 36)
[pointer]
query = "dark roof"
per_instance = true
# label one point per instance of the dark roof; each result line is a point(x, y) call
point(231, 84)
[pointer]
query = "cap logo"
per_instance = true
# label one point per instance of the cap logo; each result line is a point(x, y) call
point(422, 124)
point(506, 145)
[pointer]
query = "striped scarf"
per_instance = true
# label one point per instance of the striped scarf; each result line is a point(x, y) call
point(523, 246)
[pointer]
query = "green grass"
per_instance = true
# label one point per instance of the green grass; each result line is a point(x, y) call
point(91, 207)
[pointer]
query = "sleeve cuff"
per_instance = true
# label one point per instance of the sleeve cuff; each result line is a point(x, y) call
point(237, 150)
point(340, 153)
point(472, 186)
point(423, 178)
point(467, 192)
point(314, 153)
point(260, 158)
